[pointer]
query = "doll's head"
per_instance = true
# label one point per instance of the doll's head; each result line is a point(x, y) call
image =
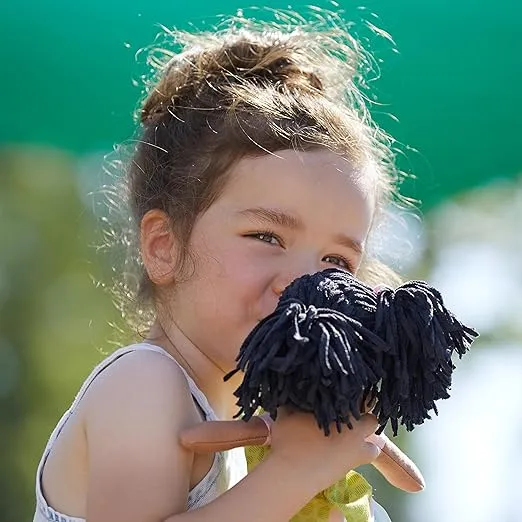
point(334, 345)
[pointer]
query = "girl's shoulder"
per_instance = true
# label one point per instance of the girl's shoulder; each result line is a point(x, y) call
point(129, 413)
point(135, 375)
point(132, 416)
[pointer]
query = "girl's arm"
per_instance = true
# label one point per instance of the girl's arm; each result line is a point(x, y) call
point(138, 471)
point(272, 492)
point(302, 462)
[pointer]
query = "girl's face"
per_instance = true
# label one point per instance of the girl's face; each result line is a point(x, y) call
point(279, 217)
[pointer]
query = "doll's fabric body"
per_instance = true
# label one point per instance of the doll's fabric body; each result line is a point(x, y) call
point(351, 496)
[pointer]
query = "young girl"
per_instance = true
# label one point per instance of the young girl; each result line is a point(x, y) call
point(257, 164)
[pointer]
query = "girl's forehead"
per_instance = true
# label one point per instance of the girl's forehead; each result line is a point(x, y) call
point(318, 185)
point(298, 176)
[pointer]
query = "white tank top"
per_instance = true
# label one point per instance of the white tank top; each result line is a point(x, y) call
point(227, 469)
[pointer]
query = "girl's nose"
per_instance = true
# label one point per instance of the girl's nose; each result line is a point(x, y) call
point(291, 273)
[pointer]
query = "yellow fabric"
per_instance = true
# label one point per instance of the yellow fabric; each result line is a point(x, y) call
point(350, 495)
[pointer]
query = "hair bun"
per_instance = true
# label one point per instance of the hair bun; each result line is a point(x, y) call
point(212, 66)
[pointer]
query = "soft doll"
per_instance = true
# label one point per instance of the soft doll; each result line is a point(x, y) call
point(335, 347)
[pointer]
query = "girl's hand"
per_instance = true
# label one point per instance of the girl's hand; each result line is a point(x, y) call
point(298, 442)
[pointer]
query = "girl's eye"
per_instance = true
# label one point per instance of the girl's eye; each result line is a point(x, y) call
point(339, 261)
point(266, 237)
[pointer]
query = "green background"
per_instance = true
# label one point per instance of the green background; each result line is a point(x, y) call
point(454, 85)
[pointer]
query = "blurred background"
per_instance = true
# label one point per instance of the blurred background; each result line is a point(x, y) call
point(448, 88)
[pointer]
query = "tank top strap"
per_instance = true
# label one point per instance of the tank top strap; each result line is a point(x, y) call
point(197, 394)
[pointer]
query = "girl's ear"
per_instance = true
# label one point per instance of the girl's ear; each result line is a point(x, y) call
point(159, 249)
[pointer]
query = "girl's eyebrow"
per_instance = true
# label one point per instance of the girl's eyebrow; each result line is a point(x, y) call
point(348, 242)
point(273, 216)
point(278, 217)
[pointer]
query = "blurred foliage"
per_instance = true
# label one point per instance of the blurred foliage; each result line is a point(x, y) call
point(53, 321)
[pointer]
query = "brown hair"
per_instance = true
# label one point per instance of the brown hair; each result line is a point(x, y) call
point(247, 90)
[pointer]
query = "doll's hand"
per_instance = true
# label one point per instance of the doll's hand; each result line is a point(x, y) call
point(214, 436)
point(396, 467)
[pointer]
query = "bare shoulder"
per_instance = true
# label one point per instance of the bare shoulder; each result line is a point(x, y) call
point(141, 380)
point(132, 415)
point(134, 371)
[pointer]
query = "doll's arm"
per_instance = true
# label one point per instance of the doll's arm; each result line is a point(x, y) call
point(396, 467)
point(212, 436)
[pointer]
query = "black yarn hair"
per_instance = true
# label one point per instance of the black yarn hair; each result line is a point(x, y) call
point(333, 344)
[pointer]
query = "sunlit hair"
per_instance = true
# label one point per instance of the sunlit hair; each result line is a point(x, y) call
point(245, 89)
